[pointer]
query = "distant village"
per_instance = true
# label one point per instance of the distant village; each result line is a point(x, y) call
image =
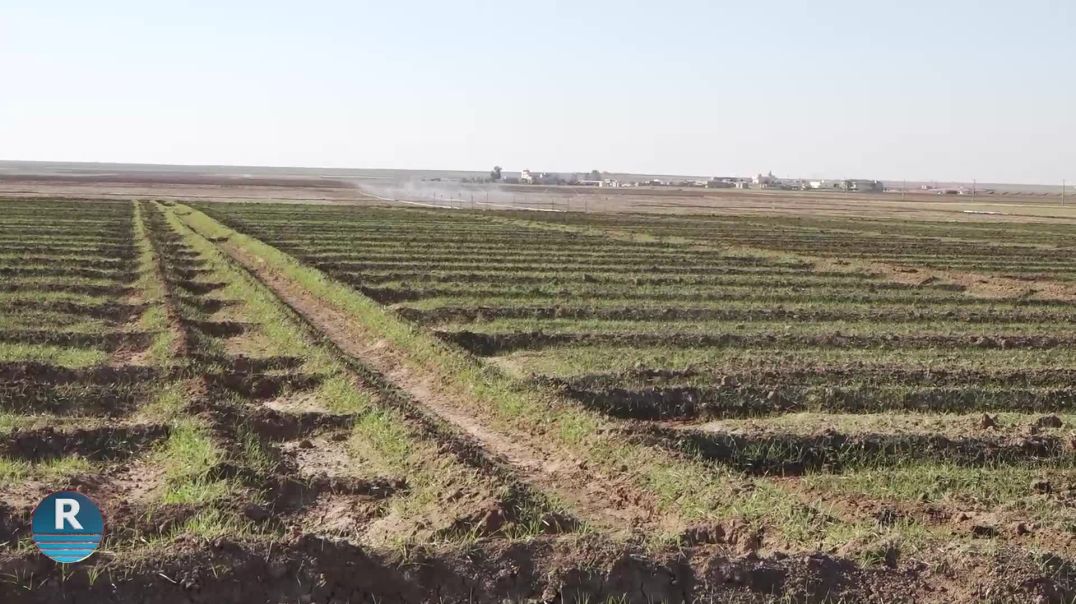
point(596, 178)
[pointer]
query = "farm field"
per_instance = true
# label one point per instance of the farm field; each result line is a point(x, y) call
point(330, 403)
point(901, 418)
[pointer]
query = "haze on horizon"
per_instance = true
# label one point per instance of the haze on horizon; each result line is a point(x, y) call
point(920, 90)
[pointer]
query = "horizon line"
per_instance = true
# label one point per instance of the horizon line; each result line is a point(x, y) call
point(1066, 181)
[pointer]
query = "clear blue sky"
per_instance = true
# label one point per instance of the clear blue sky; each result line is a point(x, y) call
point(947, 90)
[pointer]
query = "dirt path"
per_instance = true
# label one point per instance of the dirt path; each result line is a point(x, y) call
point(614, 505)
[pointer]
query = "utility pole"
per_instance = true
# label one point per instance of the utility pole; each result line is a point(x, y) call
point(973, 185)
point(903, 189)
point(1064, 185)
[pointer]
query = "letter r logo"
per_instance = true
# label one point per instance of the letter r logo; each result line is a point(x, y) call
point(68, 527)
point(67, 510)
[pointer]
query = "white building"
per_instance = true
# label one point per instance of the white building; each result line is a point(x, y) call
point(766, 180)
point(857, 185)
point(864, 186)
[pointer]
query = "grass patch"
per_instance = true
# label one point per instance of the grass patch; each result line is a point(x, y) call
point(188, 457)
point(17, 470)
point(168, 404)
point(55, 355)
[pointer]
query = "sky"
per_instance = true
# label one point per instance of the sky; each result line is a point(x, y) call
point(949, 90)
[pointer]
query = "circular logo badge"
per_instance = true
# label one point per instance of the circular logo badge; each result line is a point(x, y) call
point(67, 527)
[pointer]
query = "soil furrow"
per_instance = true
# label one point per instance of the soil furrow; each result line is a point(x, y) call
point(675, 313)
point(795, 454)
point(492, 344)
